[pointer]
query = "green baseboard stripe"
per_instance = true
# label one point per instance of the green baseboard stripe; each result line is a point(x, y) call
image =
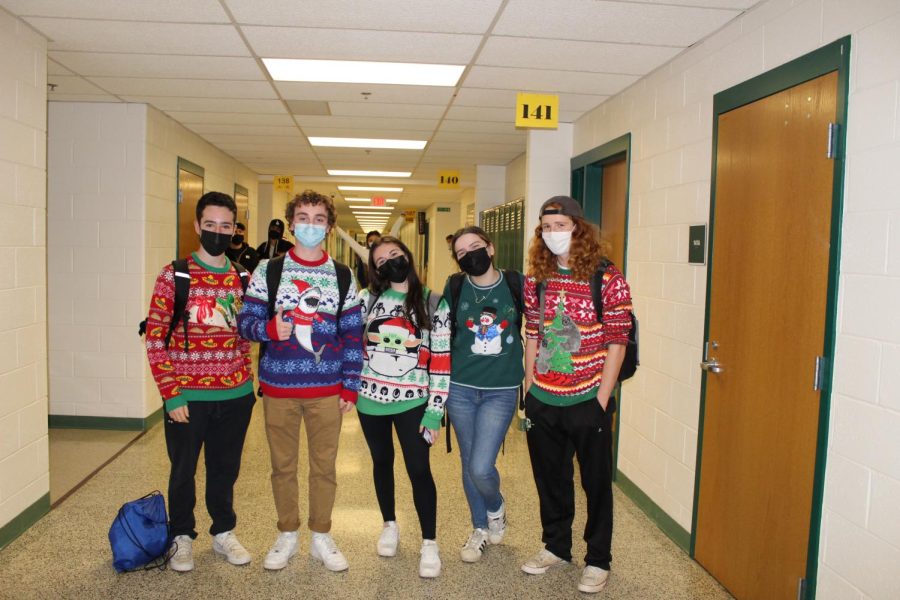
point(26, 519)
point(666, 523)
point(107, 423)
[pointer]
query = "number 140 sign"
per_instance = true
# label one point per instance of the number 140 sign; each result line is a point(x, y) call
point(537, 110)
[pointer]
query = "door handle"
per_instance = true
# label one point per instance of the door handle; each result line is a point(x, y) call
point(712, 366)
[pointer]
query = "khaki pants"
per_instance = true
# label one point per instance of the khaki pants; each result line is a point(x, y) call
point(323, 428)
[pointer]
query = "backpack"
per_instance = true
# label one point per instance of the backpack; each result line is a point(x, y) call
point(139, 535)
point(632, 360)
point(182, 290)
point(513, 280)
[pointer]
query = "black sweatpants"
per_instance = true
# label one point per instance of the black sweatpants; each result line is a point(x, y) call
point(218, 427)
point(377, 430)
point(557, 434)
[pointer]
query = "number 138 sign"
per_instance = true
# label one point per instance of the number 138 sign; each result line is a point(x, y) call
point(537, 110)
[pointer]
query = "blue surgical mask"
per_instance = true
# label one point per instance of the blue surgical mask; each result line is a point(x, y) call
point(309, 234)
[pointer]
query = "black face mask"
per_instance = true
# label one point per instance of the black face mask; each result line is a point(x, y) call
point(395, 270)
point(274, 234)
point(214, 243)
point(476, 262)
point(237, 239)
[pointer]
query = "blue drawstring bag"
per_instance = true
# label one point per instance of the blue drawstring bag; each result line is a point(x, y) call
point(139, 535)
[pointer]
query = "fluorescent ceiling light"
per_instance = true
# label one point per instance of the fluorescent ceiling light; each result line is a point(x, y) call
point(358, 188)
point(357, 71)
point(346, 173)
point(338, 142)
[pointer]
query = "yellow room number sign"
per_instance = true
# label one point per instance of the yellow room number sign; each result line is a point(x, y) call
point(283, 183)
point(448, 179)
point(537, 110)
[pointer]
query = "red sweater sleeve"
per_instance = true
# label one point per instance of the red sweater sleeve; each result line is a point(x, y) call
point(616, 308)
point(158, 318)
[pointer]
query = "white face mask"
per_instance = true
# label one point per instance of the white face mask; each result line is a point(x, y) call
point(557, 241)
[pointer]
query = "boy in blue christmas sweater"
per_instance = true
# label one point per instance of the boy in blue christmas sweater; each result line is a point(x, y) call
point(309, 370)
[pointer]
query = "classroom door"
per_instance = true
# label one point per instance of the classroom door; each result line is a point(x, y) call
point(190, 188)
point(767, 322)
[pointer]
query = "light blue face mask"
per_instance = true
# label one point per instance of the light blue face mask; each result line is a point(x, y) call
point(309, 235)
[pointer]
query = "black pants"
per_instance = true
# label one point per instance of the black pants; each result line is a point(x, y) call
point(377, 430)
point(219, 427)
point(557, 433)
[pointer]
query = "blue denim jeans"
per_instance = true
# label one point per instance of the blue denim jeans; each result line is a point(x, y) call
point(481, 419)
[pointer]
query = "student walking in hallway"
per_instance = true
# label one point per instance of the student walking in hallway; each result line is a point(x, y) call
point(202, 370)
point(305, 308)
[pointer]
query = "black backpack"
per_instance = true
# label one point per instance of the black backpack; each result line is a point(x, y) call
point(632, 360)
point(513, 280)
point(182, 290)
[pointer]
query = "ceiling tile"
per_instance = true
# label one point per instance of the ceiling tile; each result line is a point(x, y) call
point(518, 137)
point(599, 21)
point(195, 11)
point(459, 16)
point(386, 133)
point(216, 105)
point(189, 88)
point(238, 129)
point(69, 84)
point(479, 113)
point(351, 44)
point(63, 97)
point(566, 55)
point(426, 125)
point(281, 141)
point(507, 126)
point(151, 65)
point(54, 68)
point(353, 92)
point(141, 38)
point(507, 98)
point(379, 109)
point(227, 118)
point(537, 80)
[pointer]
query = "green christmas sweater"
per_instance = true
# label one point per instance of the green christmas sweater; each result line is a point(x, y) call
point(404, 365)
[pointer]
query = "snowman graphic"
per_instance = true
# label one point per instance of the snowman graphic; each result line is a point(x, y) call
point(488, 338)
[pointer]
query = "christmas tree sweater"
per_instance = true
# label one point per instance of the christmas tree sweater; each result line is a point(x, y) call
point(405, 365)
point(569, 364)
point(323, 355)
point(216, 364)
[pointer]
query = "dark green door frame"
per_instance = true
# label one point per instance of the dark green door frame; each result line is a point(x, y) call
point(833, 57)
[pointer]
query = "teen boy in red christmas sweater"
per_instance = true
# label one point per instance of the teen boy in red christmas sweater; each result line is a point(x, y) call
point(205, 382)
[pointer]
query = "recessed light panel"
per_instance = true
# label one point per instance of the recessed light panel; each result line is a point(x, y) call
point(356, 71)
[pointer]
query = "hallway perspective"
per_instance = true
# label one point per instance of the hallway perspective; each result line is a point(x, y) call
point(66, 554)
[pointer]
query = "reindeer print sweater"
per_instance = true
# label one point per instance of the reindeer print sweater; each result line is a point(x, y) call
point(216, 363)
point(405, 365)
point(323, 355)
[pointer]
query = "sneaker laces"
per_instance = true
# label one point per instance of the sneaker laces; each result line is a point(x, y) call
point(229, 542)
point(182, 547)
point(329, 544)
point(476, 540)
point(282, 543)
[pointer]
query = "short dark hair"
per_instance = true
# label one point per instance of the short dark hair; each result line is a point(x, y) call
point(215, 199)
point(473, 229)
point(240, 225)
point(449, 237)
point(310, 197)
point(373, 232)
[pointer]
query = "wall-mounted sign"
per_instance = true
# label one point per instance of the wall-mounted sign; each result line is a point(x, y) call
point(443, 209)
point(537, 110)
point(377, 200)
point(448, 179)
point(283, 183)
point(409, 215)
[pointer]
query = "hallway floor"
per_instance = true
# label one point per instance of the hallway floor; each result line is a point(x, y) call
point(66, 554)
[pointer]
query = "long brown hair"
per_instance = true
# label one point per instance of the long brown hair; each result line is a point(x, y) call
point(585, 254)
point(414, 304)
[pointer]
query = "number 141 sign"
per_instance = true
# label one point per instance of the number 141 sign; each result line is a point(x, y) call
point(537, 110)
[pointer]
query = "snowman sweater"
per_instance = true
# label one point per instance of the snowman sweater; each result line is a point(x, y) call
point(569, 364)
point(405, 365)
point(216, 364)
point(323, 355)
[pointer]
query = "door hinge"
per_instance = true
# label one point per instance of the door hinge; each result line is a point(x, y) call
point(833, 130)
point(819, 373)
point(801, 589)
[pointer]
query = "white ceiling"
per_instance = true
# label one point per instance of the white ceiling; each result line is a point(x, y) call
point(199, 62)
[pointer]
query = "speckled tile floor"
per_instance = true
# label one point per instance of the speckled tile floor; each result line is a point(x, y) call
point(76, 453)
point(66, 554)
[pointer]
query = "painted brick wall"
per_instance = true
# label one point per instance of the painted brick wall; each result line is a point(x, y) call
point(670, 116)
point(24, 470)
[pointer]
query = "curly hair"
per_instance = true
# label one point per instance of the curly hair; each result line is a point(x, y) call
point(310, 197)
point(585, 254)
point(414, 305)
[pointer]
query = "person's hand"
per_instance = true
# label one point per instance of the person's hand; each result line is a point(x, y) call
point(180, 414)
point(603, 399)
point(345, 406)
point(283, 328)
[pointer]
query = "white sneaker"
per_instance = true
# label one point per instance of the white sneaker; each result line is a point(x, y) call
point(227, 544)
point(474, 546)
point(389, 539)
point(430, 560)
point(281, 551)
point(324, 549)
point(541, 562)
point(593, 579)
point(183, 559)
point(497, 524)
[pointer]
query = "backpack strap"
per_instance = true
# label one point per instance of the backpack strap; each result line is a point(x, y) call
point(243, 273)
point(434, 299)
point(455, 283)
point(344, 277)
point(597, 288)
point(516, 283)
point(182, 290)
point(273, 280)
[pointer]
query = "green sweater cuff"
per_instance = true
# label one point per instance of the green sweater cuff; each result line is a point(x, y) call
point(431, 420)
point(175, 402)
